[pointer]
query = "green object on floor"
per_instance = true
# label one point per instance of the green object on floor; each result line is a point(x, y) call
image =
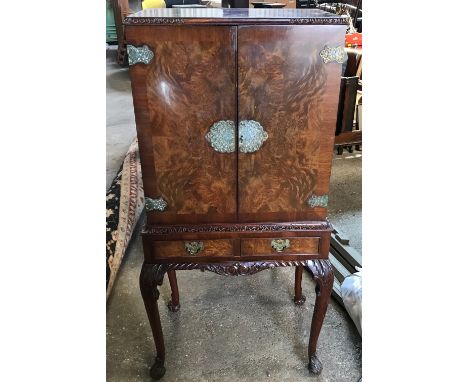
point(111, 31)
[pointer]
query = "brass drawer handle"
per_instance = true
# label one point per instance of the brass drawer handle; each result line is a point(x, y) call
point(193, 247)
point(251, 136)
point(279, 245)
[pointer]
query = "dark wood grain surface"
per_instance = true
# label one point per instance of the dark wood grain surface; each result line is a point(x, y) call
point(285, 86)
point(189, 85)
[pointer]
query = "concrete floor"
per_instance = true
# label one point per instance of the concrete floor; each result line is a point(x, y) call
point(228, 328)
point(120, 119)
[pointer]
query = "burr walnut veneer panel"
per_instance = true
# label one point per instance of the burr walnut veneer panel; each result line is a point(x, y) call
point(297, 246)
point(286, 87)
point(187, 86)
point(211, 248)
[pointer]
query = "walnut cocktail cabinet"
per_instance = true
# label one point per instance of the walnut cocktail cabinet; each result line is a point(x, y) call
point(236, 113)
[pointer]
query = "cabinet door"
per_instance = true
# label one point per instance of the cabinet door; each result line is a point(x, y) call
point(186, 84)
point(288, 98)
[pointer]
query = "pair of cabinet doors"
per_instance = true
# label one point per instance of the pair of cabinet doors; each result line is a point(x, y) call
point(235, 123)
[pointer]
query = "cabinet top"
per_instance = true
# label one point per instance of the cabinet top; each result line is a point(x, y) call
point(233, 16)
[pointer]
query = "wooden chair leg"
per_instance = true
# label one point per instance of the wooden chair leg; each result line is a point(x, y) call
point(323, 275)
point(149, 281)
point(174, 304)
point(299, 298)
point(122, 58)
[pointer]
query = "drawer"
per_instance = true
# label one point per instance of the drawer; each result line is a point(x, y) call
point(198, 248)
point(275, 246)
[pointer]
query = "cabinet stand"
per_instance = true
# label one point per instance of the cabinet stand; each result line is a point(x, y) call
point(152, 276)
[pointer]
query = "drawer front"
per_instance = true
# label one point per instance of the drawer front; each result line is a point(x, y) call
point(196, 248)
point(275, 246)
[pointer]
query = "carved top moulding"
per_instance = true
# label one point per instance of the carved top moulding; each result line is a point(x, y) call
point(233, 16)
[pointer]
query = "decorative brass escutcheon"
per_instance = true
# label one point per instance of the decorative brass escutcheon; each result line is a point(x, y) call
point(222, 136)
point(333, 53)
point(193, 247)
point(139, 54)
point(158, 204)
point(318, 201)
point(279, 245)
point(251, 136)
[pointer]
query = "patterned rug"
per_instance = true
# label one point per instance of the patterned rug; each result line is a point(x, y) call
point(124, 204)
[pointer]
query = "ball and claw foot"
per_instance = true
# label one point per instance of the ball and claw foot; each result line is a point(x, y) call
point(173, 308)
point(315, 366)
point(158, 370)
point(300, 301)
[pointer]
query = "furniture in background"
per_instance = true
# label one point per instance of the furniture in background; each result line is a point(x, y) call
point(111, 33)
point(189, 6)
point(121, 10)
point(265, 4)
point(272, 3)
point(236, 113)
point(353, 8)
point(235, 3)
point(306, 3)
point(348, 130)
point(182, 3)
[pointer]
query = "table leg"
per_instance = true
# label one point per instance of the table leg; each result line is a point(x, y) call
point(299, 298)
point(174, 304)
point(150, 277)
point(323, 276)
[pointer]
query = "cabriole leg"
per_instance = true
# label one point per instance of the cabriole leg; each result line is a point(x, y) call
point(323, 275)
point(150, 277)
point(174, 304)
point(299, 298)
